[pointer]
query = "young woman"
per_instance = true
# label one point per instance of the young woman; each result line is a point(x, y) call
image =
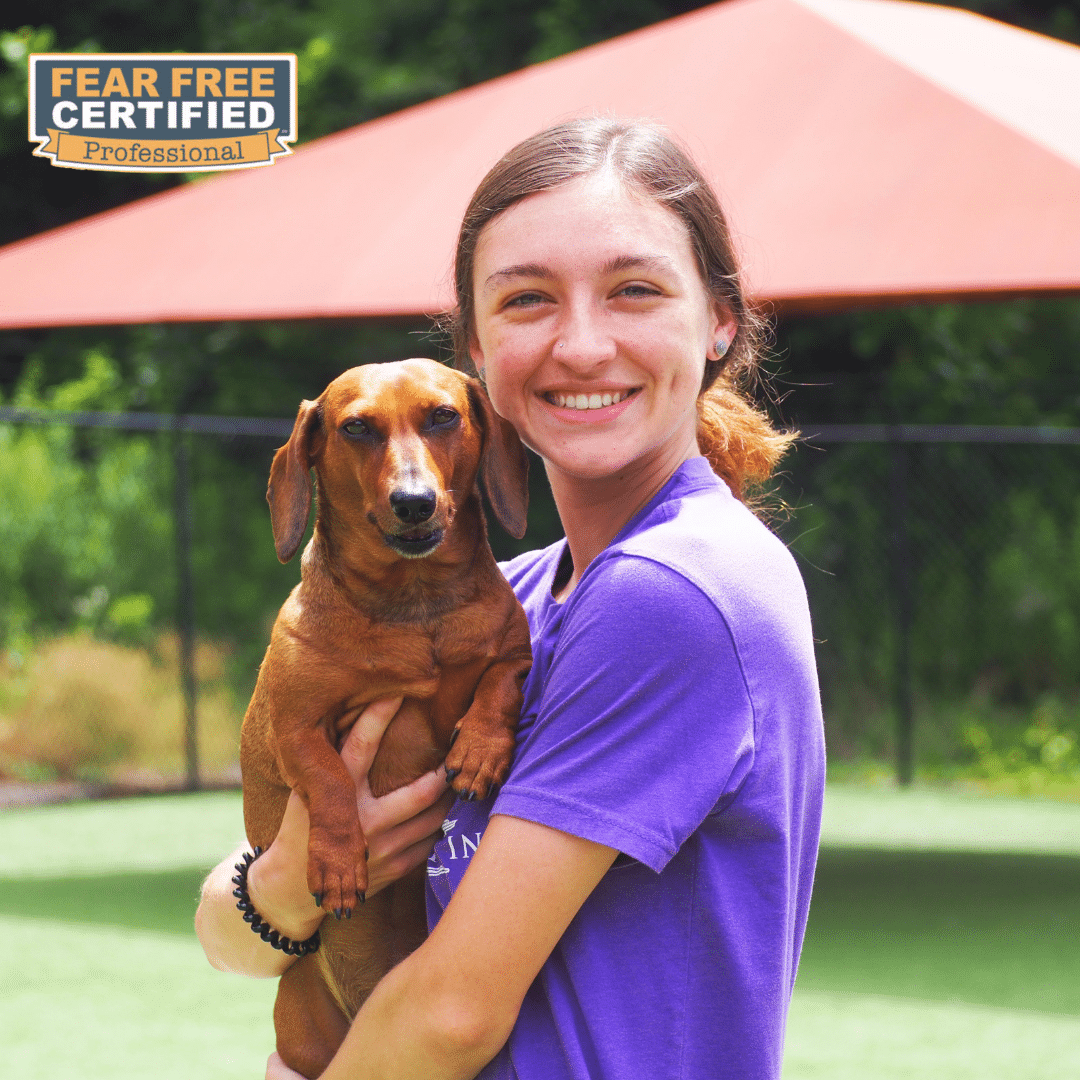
point(635, 896)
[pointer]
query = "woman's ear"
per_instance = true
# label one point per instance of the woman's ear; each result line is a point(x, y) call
point(724, 327)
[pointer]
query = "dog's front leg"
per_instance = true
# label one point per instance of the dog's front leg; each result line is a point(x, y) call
point(483, 748)
point(337, 852)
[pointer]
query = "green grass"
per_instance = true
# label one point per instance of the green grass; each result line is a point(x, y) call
point(84, 1002)
point(944, 943)
point(164, 902)
point(163, 832)
point(1000, 930)
point(837, 1036)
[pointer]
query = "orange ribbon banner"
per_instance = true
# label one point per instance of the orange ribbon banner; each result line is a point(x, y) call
point(149, 155)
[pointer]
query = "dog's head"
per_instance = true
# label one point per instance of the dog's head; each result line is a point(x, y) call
point(397, 448)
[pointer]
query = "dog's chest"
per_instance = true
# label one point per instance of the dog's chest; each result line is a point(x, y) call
point(437, 696)
point(415, 659)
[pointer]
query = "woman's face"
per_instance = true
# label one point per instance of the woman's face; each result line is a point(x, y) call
point(593, 326)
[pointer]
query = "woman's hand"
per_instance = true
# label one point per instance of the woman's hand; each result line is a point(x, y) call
point(400, 829)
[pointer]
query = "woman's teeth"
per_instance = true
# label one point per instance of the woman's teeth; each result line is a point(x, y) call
point(588, 401)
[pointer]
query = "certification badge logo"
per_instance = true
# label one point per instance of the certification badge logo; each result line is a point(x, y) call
point(138, 112)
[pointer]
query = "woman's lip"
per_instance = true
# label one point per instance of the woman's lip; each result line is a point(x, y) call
point(584, 416)
point(589, 400)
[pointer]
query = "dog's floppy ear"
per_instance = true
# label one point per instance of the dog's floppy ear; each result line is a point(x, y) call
point(289, 490)
point(504, 465)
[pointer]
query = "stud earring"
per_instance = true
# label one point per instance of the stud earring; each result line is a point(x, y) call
point(721, 348)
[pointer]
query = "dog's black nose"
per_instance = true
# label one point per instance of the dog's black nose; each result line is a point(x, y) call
point(413, 507)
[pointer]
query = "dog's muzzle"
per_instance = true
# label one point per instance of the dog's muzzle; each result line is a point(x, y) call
point(414, 508)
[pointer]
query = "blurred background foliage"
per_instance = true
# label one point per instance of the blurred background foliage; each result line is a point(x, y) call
point(85, 516)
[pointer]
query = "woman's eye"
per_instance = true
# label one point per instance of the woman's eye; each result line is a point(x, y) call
point(441, 417)
point(525, 300)
point(638, 290)
point(356, 427)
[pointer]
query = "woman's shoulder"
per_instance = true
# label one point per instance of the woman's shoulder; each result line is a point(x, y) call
point(705, 545)
point(711, 538)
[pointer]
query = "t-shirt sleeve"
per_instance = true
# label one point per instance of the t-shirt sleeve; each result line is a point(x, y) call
point(644, 726)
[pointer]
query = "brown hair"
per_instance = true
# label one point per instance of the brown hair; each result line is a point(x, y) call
point(736, 436)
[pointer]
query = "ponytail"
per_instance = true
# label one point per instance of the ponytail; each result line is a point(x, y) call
point(738, 439)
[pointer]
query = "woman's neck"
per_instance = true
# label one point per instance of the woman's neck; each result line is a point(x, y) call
point(593, 511)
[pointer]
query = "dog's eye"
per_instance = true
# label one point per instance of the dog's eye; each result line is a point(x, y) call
point(356, 427)
point(443, 417)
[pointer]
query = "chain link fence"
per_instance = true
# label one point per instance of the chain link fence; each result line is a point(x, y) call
point(943, 567)
point(942, 564)
point(173, 454)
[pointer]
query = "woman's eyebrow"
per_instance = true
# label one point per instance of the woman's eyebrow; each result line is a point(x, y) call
point(531, 270)
point(638, 262)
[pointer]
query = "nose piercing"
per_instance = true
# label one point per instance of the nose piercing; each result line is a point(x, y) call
point(560, 344)
point(721, 348)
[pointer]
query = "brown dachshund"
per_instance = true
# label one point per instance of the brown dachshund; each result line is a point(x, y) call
point(400, 595)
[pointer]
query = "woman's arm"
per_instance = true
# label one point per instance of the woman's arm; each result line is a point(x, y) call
point(445, 1011)
point(400, 829)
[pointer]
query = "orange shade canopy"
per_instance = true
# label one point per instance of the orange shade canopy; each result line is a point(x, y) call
point(867, 151)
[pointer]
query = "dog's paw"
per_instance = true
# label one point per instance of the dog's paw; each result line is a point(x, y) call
point(479, 760)
point(337, 870)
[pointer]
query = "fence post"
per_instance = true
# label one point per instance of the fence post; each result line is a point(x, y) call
point(185, 601)
point(900, 551)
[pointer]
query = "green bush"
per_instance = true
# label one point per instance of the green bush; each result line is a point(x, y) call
point(75, 707)
point(1031, 757)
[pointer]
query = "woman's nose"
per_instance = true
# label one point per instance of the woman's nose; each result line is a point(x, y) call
point(583, 339)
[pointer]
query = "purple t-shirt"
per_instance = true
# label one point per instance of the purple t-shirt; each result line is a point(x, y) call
point(672, 712)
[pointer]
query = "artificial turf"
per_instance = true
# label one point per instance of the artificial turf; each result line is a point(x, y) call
point(839, 1036)
point(162, 901)
point(85, 1002)
point(946, 964)
point(985, 929)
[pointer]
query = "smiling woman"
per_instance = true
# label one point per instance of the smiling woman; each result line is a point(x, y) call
point(632, 902)
point(623, 200)
point(616, 313)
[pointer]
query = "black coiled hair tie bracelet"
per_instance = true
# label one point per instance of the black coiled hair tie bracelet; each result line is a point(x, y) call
point(256, 921)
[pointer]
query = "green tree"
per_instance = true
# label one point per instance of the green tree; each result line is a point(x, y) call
point(70, 503)
point(992, 623)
